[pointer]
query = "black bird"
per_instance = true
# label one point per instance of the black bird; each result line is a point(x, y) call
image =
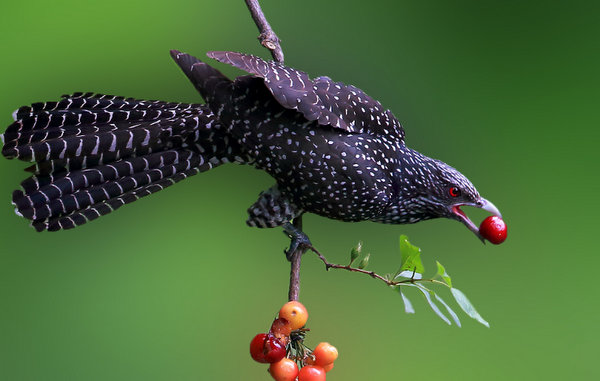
point(333, 150)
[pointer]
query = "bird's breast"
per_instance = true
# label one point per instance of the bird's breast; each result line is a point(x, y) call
point(337, 175)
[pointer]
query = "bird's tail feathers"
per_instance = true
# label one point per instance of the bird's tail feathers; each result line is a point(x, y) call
point(74, 198)
point(95, 153)
point(90, 125)
point(211, 83)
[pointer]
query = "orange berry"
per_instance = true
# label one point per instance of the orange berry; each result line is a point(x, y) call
point(295, 313)
point(311, 373)
point(284, 370)
point(328, 367)
point(325, 354)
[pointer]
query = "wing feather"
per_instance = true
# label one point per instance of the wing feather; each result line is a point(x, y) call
point(330, 103)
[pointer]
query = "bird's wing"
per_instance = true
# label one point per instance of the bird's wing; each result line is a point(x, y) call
point(328, 102)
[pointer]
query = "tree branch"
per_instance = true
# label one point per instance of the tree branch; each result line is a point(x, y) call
point(267, 37)
point(372, 274)
point(269, 40)
point(296, 258)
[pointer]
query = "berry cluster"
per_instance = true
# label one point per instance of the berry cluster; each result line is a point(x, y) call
point(283, 347)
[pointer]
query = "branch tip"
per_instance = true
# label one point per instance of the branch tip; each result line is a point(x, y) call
point(267, 36)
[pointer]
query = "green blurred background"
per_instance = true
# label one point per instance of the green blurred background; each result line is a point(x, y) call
point(173, 287)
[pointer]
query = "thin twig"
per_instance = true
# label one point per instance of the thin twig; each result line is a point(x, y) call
point(296, 258)
point(269, 40)
point(267, 37)
point(372, 274)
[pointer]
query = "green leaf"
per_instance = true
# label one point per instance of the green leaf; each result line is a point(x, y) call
point(442, 272)
point(411, 259)
point(408, 274)
point(355, 252)
point(408, 307)
point(365, 261)
point(466, 306)
point(427, 292)
point(450, 310)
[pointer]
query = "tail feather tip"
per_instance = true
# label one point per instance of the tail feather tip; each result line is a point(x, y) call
point(175, 53)
point(38, 226)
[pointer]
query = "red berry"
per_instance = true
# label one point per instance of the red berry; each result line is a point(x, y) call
point(295, 313)
point(274, 349)
point(311, 373)
point(256, 347)
point(284, 370)
point(325, 354)
point(266, 348)
point(281, 328)
point(493, 229)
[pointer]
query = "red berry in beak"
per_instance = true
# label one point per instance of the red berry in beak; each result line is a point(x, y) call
point(493, 229)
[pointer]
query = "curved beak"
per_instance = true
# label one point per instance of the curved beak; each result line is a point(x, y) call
point(489, 207)
point(481, 203)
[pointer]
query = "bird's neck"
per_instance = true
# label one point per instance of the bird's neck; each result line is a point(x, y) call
point(414, 172)
point(412, 178)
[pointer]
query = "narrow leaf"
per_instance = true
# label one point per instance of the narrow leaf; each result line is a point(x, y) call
point(411, 257)
point(355, 252)
point(466, 306)
point(432, 304)
point(365, 261)
point(450, 310)
point(408, 307)
point(442, 272)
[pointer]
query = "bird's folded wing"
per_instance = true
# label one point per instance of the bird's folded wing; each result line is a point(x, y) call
point(330, 103)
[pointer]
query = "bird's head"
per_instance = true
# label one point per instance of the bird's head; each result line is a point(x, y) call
point(438, 190)
point(453, 191)
point(449, 190)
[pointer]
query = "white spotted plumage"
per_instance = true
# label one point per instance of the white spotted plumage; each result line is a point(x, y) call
point(331, 149)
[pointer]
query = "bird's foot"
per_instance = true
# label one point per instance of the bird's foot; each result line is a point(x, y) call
point(299, 241)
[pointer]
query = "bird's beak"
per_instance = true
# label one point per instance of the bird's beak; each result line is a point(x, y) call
point(488, 206)
point(481, 203)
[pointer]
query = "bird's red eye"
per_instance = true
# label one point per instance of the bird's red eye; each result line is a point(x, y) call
point(454, 192)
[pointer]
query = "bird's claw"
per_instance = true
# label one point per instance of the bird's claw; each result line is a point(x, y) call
point(299, 240)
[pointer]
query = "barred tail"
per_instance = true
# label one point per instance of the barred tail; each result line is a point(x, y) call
point(94, 125)
point(85, 195)
point(96, 153)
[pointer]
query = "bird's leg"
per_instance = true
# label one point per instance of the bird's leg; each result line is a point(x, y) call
point(272, 209)
point(299, 240)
